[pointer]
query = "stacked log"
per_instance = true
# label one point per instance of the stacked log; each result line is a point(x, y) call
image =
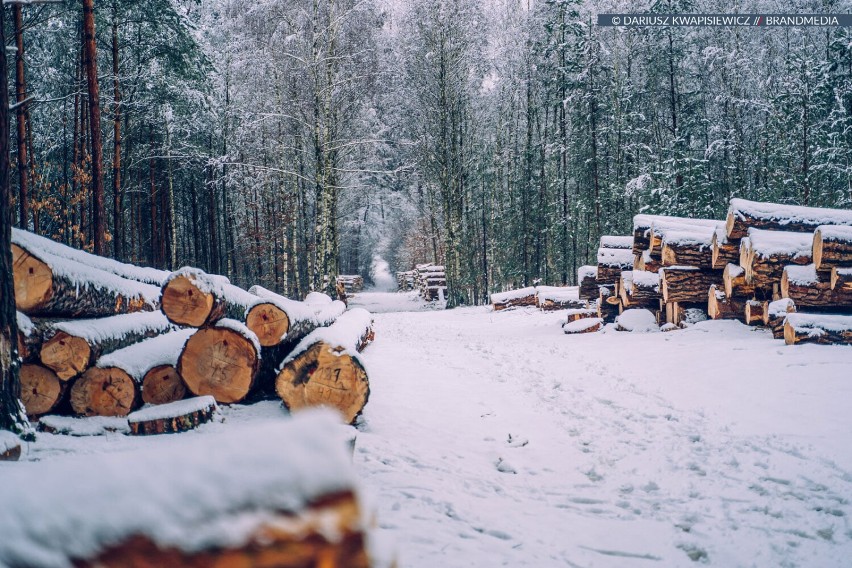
point(575, 314)
point(608, 304)
point(744, 214)
point(551, 298)
point(513, 298)
point(755, 312)
point(583, 325)
point(325, 369)
point(173, 417)
point(352, 283)
point(432, 282)
point(825, 329)
point(191, 297)
point(724, 250)
point(405, 280)
point(775, 315)
point(811, 288)
point(41, 390)
point(688, 247)
point(722, 306)
point(611, 262)
point(764, 254)
point(832, 247)
point(587, 278)
point(687, 284)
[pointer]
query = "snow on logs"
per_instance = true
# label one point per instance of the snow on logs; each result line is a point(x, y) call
point(744, 214)
point(70, 347)
point(841, 279)
point(687, 283)
point(173, 417)
point(775, 315)
point(587, 279)
point(10, 446)
point(764, 254)
point(325, 368)
point(817, 328)
point(278, 493)
point(513, 298)
point(221, 360)
point(191, 297)
point(722, 306)
point(583, 325)
point(276, 319)
point(832, 247)
point(616, 242)
point(551, 298)
point(48, 285)
point(611, 262)
point(809, 287)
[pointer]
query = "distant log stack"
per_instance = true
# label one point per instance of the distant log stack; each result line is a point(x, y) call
point(513, 298)
point(405, 280)
point(587, 279)
point(433, 283)
point(551, 298)
point(352, 283)
point(325, 369)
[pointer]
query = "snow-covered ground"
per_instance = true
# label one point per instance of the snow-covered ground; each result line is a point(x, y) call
point(493, 439)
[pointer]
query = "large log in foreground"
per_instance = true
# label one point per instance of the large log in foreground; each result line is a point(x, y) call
point(744, 214)
point(818, 328)
point(298, 509)
point(832, 246)
point(48, 285)
point(326, 370)
point(687, 284)
point(194, 298)
point(221, 361)
point(72, 346)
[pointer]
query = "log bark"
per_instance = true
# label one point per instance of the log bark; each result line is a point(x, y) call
point(647, 263)
point(325, 369)
point(584, 325)
point(174, 417)
point(721, 306)
point(221, 361)
point(832, 247)
point(48, 286)
point(587, 278)
point(680, 254)
point(755, 311)
point(724, 251)
point(513, 298)
point(841, 279)
point(194, 298)
point(104, 392)
point(734, 282)
point(776, 314)
point(744, 214)
point(581, 313)
point(41, 389)
point(822, 329)
point(687, 284)
point(681, 313)
point(808, 287)
point(764, 254)
point(71, 347)
point(276, 319)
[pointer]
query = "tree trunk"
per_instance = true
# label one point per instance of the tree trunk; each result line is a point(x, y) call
point(20, 96)
point(98, 222)
point(117, 210)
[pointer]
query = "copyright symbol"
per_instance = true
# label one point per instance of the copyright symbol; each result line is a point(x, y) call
point(616, 20)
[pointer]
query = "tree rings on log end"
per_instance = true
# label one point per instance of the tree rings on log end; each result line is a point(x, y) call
point(324, 376)
point(41, 389)
point(269, 322)
point(162, 385)
point(33, 280)
point(66, 355)
point(219, 362)
point(103, 392)
point(184, 304)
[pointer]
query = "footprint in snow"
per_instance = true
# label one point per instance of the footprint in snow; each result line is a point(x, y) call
point(504, 467)
point(515, 442)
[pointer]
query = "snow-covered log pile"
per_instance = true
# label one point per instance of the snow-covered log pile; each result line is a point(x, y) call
point(209, 338)
point(405, 280)
point(280, 493)
point(513, 298)
point(352, 283)
point(432, 283)
point(551, 298)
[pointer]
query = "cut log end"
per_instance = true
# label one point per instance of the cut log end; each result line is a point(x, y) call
point(184, 304)
point(66, 355)
point(41, 389)
point(269, 322)
point(162, 385)
point(103, 392)
point(322, 376)
point(219, 362)
point(33, 280)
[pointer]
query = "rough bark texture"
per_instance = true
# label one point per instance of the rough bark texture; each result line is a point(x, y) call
point(755, 311)
point(41, 291)
point(721, 306)
point(104, 392)
point(738, 222)
point(774, 320)
point(593, 324)
point(220, 362)
point(676, 254)
point(180, 420)
point(687, 285)
point(97, 168)
point(817, 293)
point(830, 253)
point(724, 251)
point(841, 279)
point(816, 334)
point(588, 287)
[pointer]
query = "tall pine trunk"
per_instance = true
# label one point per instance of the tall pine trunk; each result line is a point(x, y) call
point(98, 224)
point(20, 95)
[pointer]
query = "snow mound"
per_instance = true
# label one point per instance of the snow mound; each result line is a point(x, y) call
point(581, 325)
point(172, 409)
point(503, 297)
point(8, 441)
point(318, 298)
point(114, 327)
point(772, 243)
point(343, 333)
point(191, 493)
point(89, 426)
point(141, 357)
point(786, 214)
point(636, 321)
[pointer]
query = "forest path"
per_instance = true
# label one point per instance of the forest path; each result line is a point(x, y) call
point(493, 439)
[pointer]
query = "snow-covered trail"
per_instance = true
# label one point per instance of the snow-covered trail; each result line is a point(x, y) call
point(493, 439)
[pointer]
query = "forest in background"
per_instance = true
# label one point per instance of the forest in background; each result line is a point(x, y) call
point(283, 142)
